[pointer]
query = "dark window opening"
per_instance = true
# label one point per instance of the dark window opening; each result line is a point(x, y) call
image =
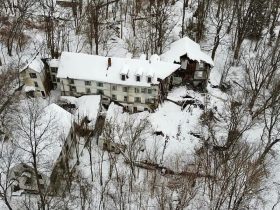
point(87, 83)
point(137, 99)
point(32, 75)
point(71, 81)
point(88, 90)
point(100, 92)
point(53, 69)
point(43, 93)
point(125, 89)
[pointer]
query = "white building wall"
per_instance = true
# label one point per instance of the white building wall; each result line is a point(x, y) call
point(28, 81)
point(112, 89)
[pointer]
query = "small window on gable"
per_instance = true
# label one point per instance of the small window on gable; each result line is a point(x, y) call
point(149, 79)
point(53, 69)
point(138, 78)
point(36, 84)
point(201, 65)
point(123, 77)
point(199, 74)
point(32, 75)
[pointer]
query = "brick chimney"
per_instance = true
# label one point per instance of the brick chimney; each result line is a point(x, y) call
point(109, 63)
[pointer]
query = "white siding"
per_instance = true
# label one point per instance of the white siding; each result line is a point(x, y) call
point(108, 91)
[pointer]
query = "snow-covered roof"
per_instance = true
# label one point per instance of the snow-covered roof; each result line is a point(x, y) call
point(186, 46)
point(86, 106)
point(60, 122)
point(63, 120)
point(36, 64)
point(93, 67)
point(53, 63)
point(29, 88)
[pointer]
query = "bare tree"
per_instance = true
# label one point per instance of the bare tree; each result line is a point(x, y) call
point(33, 136)
point(9, 158)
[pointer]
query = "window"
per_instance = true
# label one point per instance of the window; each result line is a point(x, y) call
point(32, 75)
point(201, 65)
point(88, 91)
point(125, 89)
point(138, 78)
point(114, 97)
point(43, 94)
point(71, 81)
point(73, 88)
point(53, 78)
point(28, 181)
point(36, 84)
point(143, 90)
point(99, 84)
point(57, 79)
point(136, 90)
point(123, 77)
point(114, 87)
point(149, 100)
point(150, 91)
point(149, 79)
point(53, 69)
point(137, 99)
point(88, 83)
point(100, 92)
point(199, 74)
point(125, 98)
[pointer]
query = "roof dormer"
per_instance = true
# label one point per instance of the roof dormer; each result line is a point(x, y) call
point(124, 72)
point(123, 77)
point(139, 74)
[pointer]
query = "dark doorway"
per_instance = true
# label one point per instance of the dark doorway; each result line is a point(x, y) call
point(134, 109)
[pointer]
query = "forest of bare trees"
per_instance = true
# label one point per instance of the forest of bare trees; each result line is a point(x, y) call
point(238, 141)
